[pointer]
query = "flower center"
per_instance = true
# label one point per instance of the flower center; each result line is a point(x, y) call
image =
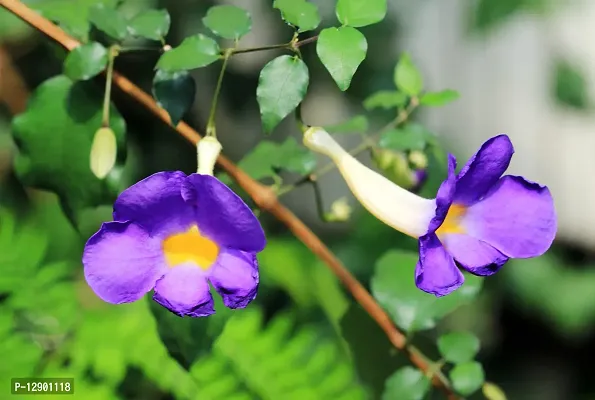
point(190, 246)
point(452, 221)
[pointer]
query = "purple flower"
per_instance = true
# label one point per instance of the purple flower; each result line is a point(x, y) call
point(176, 233)
point(482, 219)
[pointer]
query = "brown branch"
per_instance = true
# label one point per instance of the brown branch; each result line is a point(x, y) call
point(264, 197)
point(13, 90)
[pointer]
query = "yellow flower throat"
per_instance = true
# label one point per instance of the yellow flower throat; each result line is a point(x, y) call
point(192, 247)
point(452, 221)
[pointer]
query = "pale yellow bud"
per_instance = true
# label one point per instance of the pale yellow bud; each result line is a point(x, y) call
point(104, 150)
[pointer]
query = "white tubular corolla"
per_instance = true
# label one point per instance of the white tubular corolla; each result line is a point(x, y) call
point(207, 150)
point(393, 205)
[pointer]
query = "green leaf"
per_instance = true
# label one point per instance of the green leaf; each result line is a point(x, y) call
point(194, 52)
point(229, 22)
point(467, 377)
point(569, 86)
point(410, 137)
point(393, 285)
point(357, 124)
point(358, 13)
point(341, 50)
point(109, 21)
point(293, 157)
point(437, 99)
point(258, 163)
point(71, 114)
point(458, 347)
point(407, 383)
point(282, 85)
point(174, 92)
point(386, 99)
point(407, 77)
point(85, 61)
point(150, 24)
point(299, 13)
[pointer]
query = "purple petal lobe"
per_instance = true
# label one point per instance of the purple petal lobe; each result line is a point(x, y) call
point(235, 277)
point(473, 255)
point(222, 215)
point(517, 217)
point(156, 204)
point(122, 262)
point(184, 290)
point(483, 170)
point(436, 271)
point(445, 195)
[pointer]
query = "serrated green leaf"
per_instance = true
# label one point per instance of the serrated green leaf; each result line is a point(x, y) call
point(174, 92)
point(85, 61)
point(194, 52)
point(150, 24)
point(458, 347)
point(467, 377)
point(341, 51)
point(437, 99)
point(109, 21)
point(72, 16)
point(299, 13)
point(359, 13)
point(409, 137)
point(72, 113)
point(295, 158)
point(386, 99)
point(407, 383)
point(393, 285)
point(282, 85)
point(407, 77)
point(229, 22)
point(357, 124)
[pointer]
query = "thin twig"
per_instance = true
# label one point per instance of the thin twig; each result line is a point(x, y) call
point(264, 197)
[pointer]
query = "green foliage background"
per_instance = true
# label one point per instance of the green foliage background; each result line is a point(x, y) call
point(303, 337)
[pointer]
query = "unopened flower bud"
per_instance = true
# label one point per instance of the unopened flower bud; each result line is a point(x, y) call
point(104, 150)
point(208, 150)
point(340, 211)
point(418, 159)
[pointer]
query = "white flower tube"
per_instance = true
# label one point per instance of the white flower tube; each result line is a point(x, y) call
point(207, 150)
point(388, 202)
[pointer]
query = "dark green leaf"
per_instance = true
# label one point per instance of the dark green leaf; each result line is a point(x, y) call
point(458, 347)
point(437, 99)
point(410, 137)
point(467, 378)
point(386, 99)
point(489, 14)
point(374, 356)
point(295, 158)
point(358, 13)
point(570, 86)
point(407, 77)
point(299, 13)
point(393, 285)
point(85, 61)
point(54, 137)
point(407, 383)
point(109, 21)
point(227, 21)
point(341, 50)
point(72, 16)
point(151, 24)
point(282, 85)
point(357, 124)
point(194, 52)
point(188, 338)
point(174, 91)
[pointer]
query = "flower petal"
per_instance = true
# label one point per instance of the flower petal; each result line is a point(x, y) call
point(473, 255)
point(436, 271)
point(222, 215)
point(156, 204)
point(235, 277)
point(184, 290)
point(517, 217)
point(122, 262)
point(445, 195)
point(483, 170)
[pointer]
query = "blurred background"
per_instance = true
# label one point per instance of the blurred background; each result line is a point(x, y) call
point(522, 67)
